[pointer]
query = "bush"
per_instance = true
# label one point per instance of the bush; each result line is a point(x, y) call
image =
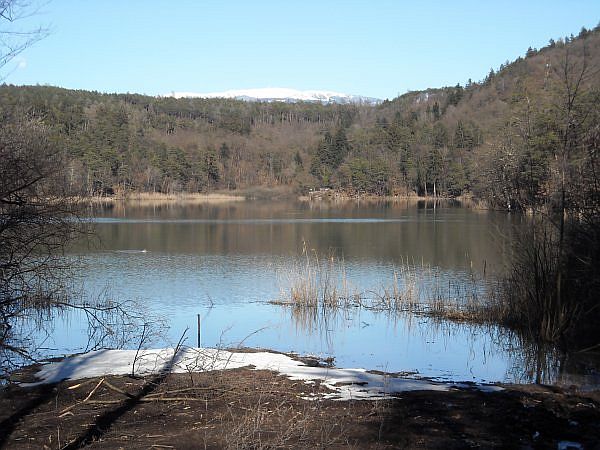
point(551, 292)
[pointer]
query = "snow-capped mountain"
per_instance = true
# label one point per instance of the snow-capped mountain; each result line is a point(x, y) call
point(281, 95)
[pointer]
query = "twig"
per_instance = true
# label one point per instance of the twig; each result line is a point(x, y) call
point(84, 400)
point(94, 390)
point(178, 391)
point(147, 400)
point(137, 352)
point(116, 389)
point(78, 385)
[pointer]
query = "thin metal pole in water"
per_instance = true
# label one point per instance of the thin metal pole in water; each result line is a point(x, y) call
point(199, 332)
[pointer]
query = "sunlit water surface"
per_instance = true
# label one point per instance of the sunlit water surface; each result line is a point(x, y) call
point(226, 262)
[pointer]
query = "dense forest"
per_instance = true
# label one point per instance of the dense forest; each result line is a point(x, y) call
point(494, 138)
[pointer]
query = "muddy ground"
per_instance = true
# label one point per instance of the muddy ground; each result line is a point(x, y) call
point(258, 409)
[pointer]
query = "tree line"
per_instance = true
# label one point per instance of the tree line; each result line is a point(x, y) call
point(440, 142)
point(125, 143)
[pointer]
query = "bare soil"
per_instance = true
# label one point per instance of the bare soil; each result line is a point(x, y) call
point(245, 408)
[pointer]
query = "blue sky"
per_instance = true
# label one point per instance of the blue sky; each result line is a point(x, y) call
point(374, 48)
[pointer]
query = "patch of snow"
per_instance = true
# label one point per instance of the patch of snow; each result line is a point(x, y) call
point(280, 94)
point(346, 384)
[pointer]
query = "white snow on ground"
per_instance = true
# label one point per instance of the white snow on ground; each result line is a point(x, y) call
point(346, 384)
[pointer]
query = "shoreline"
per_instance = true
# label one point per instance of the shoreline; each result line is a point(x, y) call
point(167, 198)
point(343, 384)
point(250, 195)
point(238, 407)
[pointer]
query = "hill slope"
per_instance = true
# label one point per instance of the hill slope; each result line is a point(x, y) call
point(434, 142)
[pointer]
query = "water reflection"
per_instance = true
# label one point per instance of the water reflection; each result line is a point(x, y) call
point(449, 237)
point(225, 261)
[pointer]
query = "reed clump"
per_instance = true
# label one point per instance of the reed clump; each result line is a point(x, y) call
point(402, 294)
point(319, 286)
point(318, 281)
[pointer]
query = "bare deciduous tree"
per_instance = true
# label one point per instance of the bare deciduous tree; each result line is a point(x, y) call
point(14, 39)
point(39, 217)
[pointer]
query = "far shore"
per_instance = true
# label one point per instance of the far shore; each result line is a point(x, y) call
point(323, 195)
point(143, 197)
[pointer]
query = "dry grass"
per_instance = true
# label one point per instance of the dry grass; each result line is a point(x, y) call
point(271, 422)
point(318, 281)
point(242, 408)
point(150, 198)
point(318, 286)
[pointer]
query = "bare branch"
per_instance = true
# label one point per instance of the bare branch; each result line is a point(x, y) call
point(14, 40)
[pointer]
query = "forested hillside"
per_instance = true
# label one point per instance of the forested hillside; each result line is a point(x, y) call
point(495, 138)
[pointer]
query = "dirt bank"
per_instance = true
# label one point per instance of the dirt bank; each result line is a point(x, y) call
point(244, 408)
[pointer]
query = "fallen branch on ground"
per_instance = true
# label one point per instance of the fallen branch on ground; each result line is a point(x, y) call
point(64, 411)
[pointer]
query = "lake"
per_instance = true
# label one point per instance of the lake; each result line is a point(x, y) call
point(227, 261)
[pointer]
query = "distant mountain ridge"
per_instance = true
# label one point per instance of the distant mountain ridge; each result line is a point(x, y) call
point(282, 95)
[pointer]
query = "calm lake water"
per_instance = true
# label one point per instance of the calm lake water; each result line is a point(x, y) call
point(227, 261)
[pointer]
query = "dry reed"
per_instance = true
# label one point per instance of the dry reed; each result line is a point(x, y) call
point(319, 286)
